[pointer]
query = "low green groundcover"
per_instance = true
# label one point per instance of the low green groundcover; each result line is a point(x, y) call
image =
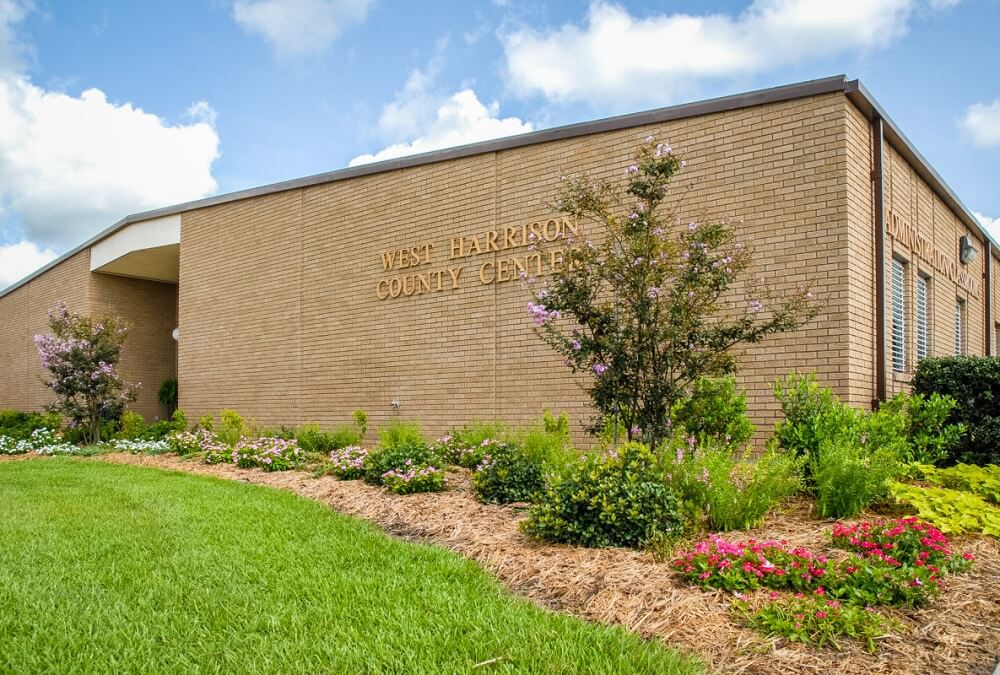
point(108, 568)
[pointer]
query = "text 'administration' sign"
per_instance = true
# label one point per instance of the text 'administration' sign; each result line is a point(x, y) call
point(923, 248)
point(433, 267)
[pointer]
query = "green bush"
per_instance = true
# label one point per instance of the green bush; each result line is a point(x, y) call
point(979, 480)
point(313, 439)
point(167, 395)
point(361, 421)
point(18, 425)
point(849, 476)
point(132, 425)
point(974, 383)
point(232, 427)
point(399, 455)
point(411, 479)
point(613, 498)
point(400, 433)
point(812, 414)
point(733, 492)
point(926, 426)
point(715, 410)
point(509, 473)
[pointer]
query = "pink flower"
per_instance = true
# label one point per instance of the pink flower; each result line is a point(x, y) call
point(820, 615)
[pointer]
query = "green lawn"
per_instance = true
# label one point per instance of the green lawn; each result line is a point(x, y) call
point(110, 568)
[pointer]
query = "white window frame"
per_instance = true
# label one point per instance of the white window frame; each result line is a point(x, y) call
point(923, 316)
point(898, 329)
point(959, 327)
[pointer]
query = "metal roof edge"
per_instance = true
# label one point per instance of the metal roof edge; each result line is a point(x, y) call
point(863, 99)
point(749, 99)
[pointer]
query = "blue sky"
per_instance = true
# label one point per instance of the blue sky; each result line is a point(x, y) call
point(108, 108)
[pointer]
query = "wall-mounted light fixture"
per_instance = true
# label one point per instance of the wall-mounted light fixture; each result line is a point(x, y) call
point(175, 334)
point(966, 250)
point(394, 404)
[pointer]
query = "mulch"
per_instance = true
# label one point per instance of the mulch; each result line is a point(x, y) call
point(958, 633)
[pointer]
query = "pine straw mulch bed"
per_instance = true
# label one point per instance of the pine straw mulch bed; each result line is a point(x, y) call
point(958, 633)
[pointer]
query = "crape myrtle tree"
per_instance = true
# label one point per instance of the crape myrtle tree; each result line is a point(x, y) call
point(81, 356)
point(647, 310)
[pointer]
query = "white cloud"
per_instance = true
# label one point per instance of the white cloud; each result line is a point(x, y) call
point(982, 123)
point(459, 120)
point(617, 55)
point(299, 27)
point(991, 225)
point(70, 166)
point(11, 13)
point(21, 259)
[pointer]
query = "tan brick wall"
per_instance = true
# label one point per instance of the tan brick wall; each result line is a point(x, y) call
point(150, 353)
point(910, 198)
point(149, 306)
point(279, 317)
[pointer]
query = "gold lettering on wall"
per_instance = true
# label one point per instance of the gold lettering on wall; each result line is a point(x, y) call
point(923, 248)
point(503, 269)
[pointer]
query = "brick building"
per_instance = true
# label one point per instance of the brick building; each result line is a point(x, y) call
point(391, 286)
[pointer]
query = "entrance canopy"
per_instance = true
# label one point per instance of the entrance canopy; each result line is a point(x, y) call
point(148, 250)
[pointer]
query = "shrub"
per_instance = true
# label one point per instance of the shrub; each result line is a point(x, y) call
point(348, 463)
point(812, 414)
point(232, 427)
point(412, 478)
point(189, 442)
point(400, 433)
point(509, 473)
point(974, 383)
point(849, 476)
point(473, 435)
point(924, 425)
point(979, 480)
point(270, 454)
point(397, 456)
point(952, 511)
point(361, 421)
point(735, 492)
point(18, 425)
point(167, 395)
point(312, 439)
point(453, 450)
point(816, 621)
point(131, 425)
point(614, 498)
point(715, 411)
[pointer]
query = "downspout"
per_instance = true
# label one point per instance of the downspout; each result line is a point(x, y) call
point(878, 193)
point(989, 299)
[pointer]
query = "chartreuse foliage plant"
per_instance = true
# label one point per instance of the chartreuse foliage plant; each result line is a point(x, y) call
point(612, 498)
point(980, 480)
point(640, 309)
point(270, 583)
point(952, 511)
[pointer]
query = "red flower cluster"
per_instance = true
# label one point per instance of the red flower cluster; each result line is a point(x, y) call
point(905, 541)
point(752, 564)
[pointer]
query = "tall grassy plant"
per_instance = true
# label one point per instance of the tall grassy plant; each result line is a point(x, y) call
point(398, 433)
point(849, 476)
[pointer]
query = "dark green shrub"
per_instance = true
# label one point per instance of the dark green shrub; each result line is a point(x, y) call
point(613, 498)
point(399, 456)
point(812, 414)
point(715, 410)
point(167, 395)
point(509, 473)
point(19, 425)
point(974, 383)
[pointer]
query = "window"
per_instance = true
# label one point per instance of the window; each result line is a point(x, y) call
point(898, 316)
point(996, 339)
point(959, 326)
point(922, 337)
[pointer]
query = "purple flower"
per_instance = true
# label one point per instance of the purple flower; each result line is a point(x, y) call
point(632, 169)
point(600, 369)
point(575, 345)
point(755, 306)
point(654, 292)
point(540, 315)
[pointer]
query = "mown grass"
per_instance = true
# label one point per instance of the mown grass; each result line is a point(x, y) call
point(109, 568)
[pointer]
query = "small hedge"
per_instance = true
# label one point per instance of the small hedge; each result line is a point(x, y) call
point(508, 474)
point(613, 498)
point(403, 455)
point(974, 383)
point(18, 425)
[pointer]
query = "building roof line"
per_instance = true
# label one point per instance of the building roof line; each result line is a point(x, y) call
point(837, 83)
